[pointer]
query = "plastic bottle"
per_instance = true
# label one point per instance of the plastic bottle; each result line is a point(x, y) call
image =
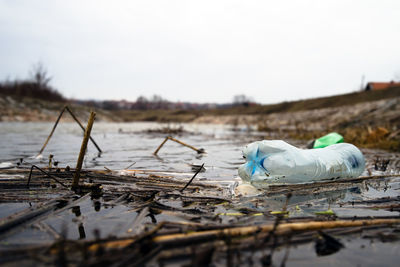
point(275, 161)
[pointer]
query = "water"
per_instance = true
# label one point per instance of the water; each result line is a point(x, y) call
point(125, 144)
point(131, 144)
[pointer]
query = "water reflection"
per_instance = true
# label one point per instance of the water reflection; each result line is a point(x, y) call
point(76, 210)
point(327, 245)
point(81, 229)
point(121, 149)
point(97, 206)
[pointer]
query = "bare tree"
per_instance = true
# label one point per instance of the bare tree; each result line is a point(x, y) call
point(38, 75)
point(241, 99)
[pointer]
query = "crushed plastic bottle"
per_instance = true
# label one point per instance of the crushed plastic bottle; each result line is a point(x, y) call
point(275, 161)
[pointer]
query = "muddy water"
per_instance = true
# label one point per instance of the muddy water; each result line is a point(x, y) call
point(128, 145)
point(132, 143)
point(124, 144)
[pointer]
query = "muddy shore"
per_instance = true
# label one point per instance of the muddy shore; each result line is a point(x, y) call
point(372, 124)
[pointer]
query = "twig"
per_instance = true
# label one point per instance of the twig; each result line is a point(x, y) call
point(124, 242)
point(130, 165)
point(182, 239)
point(52, 131)
point(32, 214)
point(192, 178)
point(200, 151)
point(159, 147)
point(285, 228)
point(48, 174)
point(55, 126)
point(85, 140)
point(83, 128)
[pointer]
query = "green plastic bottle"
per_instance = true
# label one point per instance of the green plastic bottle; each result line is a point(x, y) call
point(327, 140)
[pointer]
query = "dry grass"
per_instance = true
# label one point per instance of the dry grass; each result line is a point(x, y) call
point(309, 104)
point(366, 137)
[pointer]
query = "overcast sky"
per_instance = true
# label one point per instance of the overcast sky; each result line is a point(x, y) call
point(202, 51)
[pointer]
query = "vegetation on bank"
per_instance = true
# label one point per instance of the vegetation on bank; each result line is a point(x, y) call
point(36, 86)
point(33, 99)
point(308, 104)
point(364, 137)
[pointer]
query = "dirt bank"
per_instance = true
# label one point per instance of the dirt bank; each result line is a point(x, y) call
point(29, 109)
point(373, 124)
point(375, 113)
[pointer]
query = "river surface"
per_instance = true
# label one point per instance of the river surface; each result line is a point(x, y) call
point(131, 146)
point(124, 144)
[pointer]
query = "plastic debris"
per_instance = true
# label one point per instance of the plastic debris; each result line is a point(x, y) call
point(327, 140)
point(275, 161)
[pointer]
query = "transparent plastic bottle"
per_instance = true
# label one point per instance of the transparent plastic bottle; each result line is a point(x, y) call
point(275, 161)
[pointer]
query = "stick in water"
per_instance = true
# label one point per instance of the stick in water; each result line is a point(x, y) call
point(83, 128)
point(52, 131)
point(55, 126)
point(200, 151)
point(192, 177)
point(85, 140)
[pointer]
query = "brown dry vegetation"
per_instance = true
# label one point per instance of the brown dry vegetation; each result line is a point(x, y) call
point(367, 119)
point(301, 105)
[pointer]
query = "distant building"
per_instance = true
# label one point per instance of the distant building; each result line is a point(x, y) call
point(381, 86)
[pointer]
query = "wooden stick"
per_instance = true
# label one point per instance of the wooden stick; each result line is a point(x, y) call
point(83, 128)
point(52, 131)
point(182, 239)
point(85, 140)
point(55, 126)
point(179, 142)
point(48, 174)
point(192, 178)
point(159, 147)
point(203, 236)
point(189, 146)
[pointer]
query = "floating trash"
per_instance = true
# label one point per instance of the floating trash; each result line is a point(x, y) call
point(279, 162)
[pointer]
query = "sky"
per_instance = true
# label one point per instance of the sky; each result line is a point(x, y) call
point(202, 51)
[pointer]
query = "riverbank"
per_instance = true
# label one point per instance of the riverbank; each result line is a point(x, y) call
point(359, 117)
point(13, 109)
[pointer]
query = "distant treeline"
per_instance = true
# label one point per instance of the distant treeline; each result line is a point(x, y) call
point(30, 89)
point(37, 86)
point(143, 104)
point(156, 102)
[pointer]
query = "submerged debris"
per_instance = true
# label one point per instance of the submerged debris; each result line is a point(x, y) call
point(148, 218)
point(326, 244)
point(167, 217)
